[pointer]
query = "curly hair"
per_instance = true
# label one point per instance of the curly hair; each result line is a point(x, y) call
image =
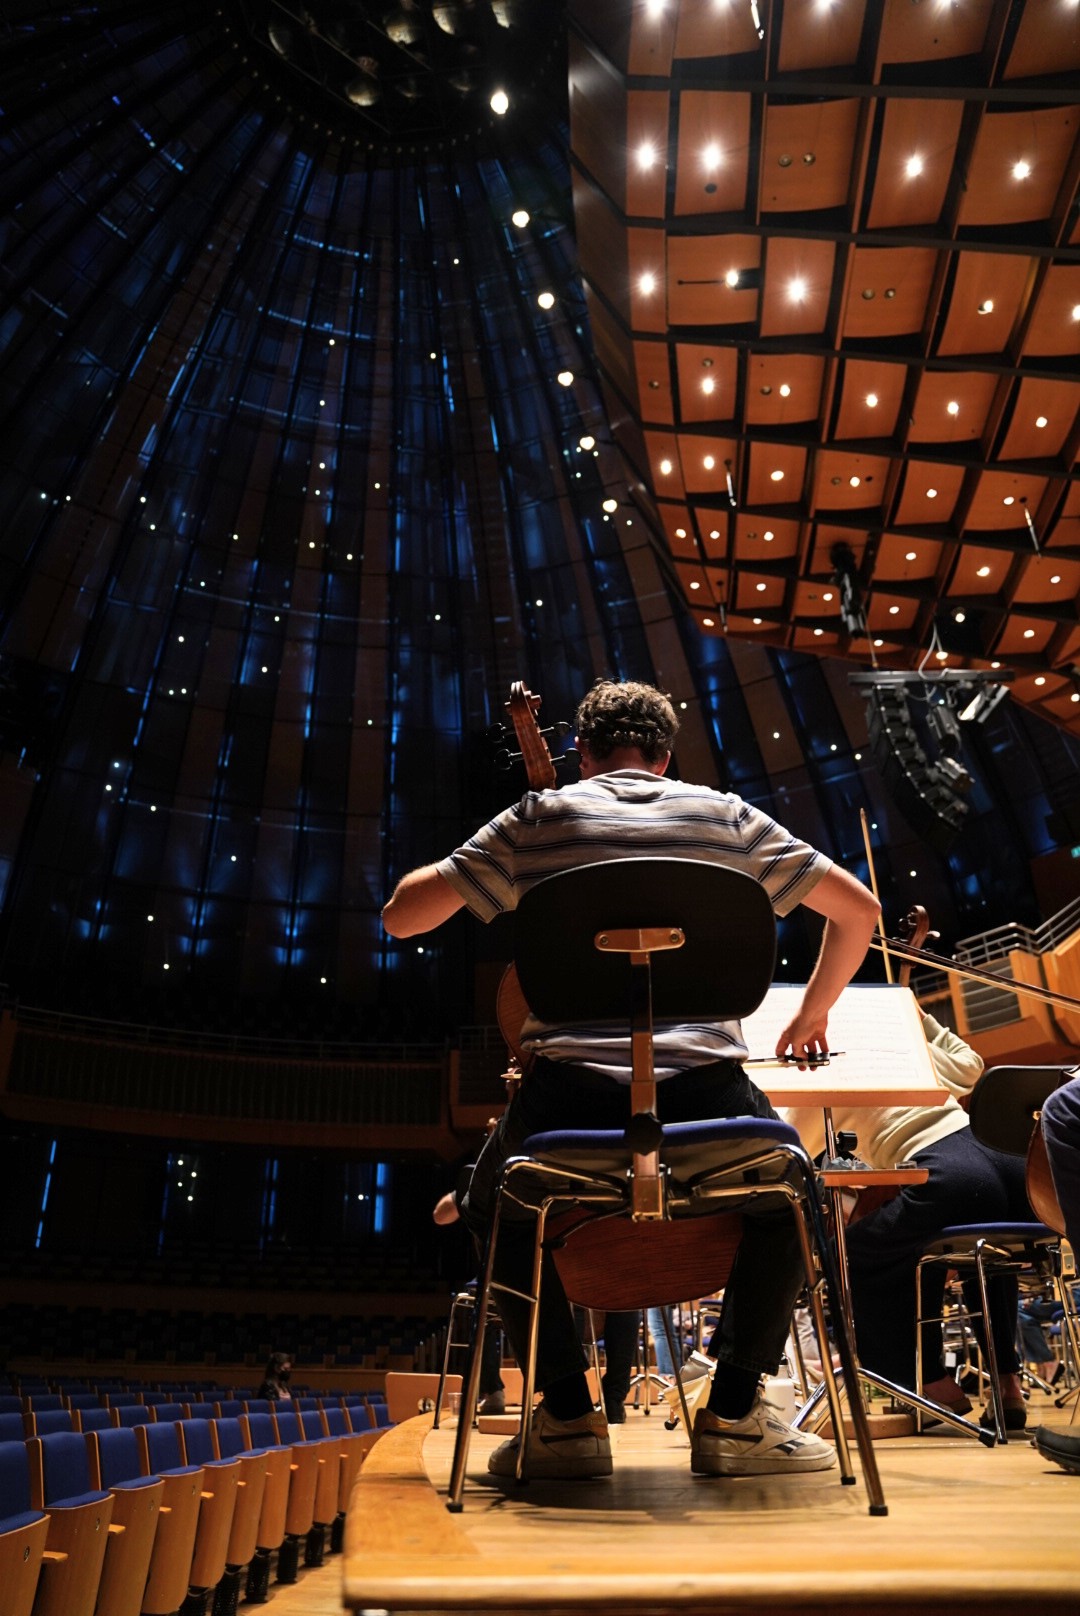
point(613, 716)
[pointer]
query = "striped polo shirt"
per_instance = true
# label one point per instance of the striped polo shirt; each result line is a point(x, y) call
point(629, 813)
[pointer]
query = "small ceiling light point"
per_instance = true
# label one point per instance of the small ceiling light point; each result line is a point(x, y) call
point(913, 167)
point(871, 401)
point(499, 103)
point(520, 218)
point(731, 278)
point(1021, 169)
point(665, 468)
point(546, 300)
point(565, 378)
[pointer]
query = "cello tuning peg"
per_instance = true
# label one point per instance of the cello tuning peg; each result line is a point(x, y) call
point(496, 733)
point(503, 759)
point(560, 728)
point(571, 755)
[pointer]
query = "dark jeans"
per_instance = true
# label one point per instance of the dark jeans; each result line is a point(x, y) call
point(767, 1274)
point(968, 1183)
point(1061, 1131)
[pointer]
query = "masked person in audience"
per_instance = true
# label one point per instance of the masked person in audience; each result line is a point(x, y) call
point(275, 1384)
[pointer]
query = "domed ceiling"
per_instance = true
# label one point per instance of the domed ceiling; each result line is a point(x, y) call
point(307, 455)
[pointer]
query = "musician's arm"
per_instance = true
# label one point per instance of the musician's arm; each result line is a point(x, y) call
point(851, 913)
point(422, 900)
point(956, 1065)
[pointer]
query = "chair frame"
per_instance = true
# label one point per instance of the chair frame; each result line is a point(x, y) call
point(648, 1191)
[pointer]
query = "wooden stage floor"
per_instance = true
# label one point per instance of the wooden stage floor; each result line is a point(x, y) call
point(969, 1529)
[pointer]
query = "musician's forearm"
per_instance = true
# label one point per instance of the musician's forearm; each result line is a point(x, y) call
point(422, 900)
point(843, 949)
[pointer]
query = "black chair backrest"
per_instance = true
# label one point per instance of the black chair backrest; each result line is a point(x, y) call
point(1004, 1102)
point(722, 971)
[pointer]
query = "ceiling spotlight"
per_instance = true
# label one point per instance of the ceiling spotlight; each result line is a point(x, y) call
point(1009, 500)
point(611, 505)
point(665, 468)
point(871, 401)
point(913, 166)
point(982, 572)
point(911, 556)
point(854, 481)
point(546, 300)
point(731, 278)
point(986, 306)
point(931, 493)
point(953, 407)
point(768, 535)
point(1076, 311)
point(520, 218)
point(646, 154)
point(588, 442)
point(785, 390)
point(565, 378)
point(797, 289)
point(707, 385)
point(647, 283)
point(499, 103)
point(708, 462)
point(1021, 170)
point(711, 155)
point(1040, 420)
point(777, 476)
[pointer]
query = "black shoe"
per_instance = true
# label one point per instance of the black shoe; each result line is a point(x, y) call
point(1056, 1376)
point(616, 1412)
point(1059, 1446)
point(1015, 1417)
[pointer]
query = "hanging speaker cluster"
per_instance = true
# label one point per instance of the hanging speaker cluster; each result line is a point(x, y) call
point(927, 791)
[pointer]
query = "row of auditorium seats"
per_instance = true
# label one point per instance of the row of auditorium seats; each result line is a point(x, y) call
point(173, 1514)
point(224, 1265)
point(34, 1421)
point(160, 1335)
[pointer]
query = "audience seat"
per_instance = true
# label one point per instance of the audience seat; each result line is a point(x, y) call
point(79, 1518)
point(247, 1513)
point(113, 1456)
point(354, 1448)
point(169, 1413)
point(10, 1403)
point(130, 1414)
point(221, 1479)
point(82, 1399)
point(12, 1427)
point(45, 1422)
point(303, 1479)
point(23, 1531)
point(92, 1419)
point(41, 1402)
point(178, 1520)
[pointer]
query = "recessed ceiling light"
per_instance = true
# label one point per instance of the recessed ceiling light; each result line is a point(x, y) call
point(665, 468)
point(1008, 500)
point(931, 493)
point(707, 384)
point(1021, 170)
point(879, 643)
point(1076, 311)
point(894, 611)
point(760, 588)
point(1029, 634)
point(960, 616)
point(546, 300)
point(942, 656)
point(797, 289)
point(854, 481)
point(695, 585)
point(565, 378)
point(707, 622)
point(1040, 420)
point(680, 533)
point(983, 572)
point(611, 505)
point(1040, 680)
point(953, 407)
point(756, 621)
point(986, 306)
point(646, 154)
point(827, 595)
point(647, 283)
point(588, 442)
point(1056, 578)
point(499, 103)
point(995, 665)
point(913, 166)
point(711, 155)
point(871, 401)
point(768, 535)
point(911, 556)
point(709, 462)
point(785, 390)
point(777, 476)
point(520, 218)
point(714, 533)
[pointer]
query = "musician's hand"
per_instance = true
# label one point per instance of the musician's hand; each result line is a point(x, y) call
point(804, 1040)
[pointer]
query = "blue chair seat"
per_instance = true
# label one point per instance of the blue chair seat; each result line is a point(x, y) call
point(1005, 1236)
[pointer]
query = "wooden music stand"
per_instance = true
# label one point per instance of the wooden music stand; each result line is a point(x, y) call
point(882, 1059)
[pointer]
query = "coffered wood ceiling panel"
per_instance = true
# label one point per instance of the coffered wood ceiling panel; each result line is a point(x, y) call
point(831, 254)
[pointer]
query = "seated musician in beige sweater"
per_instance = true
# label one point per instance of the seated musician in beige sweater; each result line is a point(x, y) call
point(968, 1183)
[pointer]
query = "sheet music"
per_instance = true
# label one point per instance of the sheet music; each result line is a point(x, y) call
point(885, 1059)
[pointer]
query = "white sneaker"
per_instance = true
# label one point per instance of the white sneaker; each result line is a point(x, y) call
point(561, 1450)
point(759, 1444)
